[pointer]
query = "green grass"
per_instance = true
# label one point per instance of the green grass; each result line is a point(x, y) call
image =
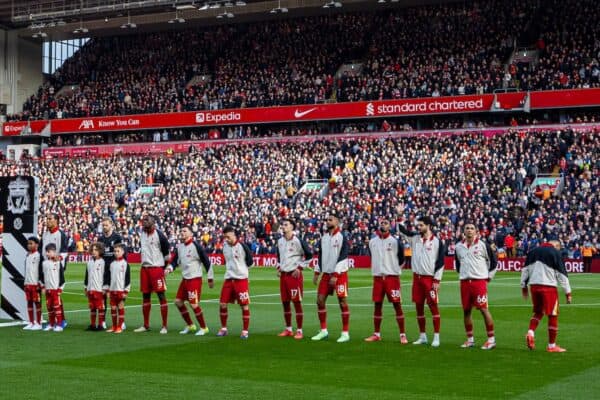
point(80, 364)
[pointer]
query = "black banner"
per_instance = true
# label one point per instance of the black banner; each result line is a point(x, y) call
point(18, 203)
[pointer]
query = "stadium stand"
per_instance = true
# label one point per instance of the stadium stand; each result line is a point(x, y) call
point(469, 176)
point(437, 50)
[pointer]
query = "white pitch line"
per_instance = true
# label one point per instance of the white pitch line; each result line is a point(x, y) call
point(217, 300)
point(14, 323)
point(572, 287)
point(212, 301)
point(83, 294)
point(312, 291)
point(407, 308)
point(492, 306)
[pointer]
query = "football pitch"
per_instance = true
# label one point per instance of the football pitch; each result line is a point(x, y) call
point(80, 364)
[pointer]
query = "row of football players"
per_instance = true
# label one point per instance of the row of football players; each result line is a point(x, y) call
point(475, 263)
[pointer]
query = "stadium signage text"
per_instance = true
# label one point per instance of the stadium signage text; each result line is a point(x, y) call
point(270, 261)
point(88, 124)
point(516, 265)
point(212, 117)
point(425, 107)
point(314, 112)
point(10, 129)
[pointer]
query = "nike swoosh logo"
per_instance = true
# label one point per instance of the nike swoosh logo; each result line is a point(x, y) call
point(299, 114)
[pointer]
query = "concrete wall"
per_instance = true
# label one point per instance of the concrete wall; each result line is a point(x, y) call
point(30, 76)
point(20, 69)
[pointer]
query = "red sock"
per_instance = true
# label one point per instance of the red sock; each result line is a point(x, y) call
point(200, 317)
point(30, 311)
point(184, 314)
point(490, 329)
point(101, 316)
point(535, 321)
point(58, 315)
point(121, 319)
point(245, 319)
point(552, 329)
point(469, 329)
point(287, 313)
point(323, 317)
point(223, 316)
point(299, 314)
point(51, 314)
point(377, 317)
point(421, 316)
point(93, 317)
point(38, 312)
point(345, 317)
point(62, 312)
point(146, 305)
point(164, 311)
point(399, 317)
point(435, 312)
point(113, 314)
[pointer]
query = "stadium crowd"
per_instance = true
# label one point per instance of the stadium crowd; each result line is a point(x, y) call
point(461, 177)
point(437, 50)
point(569, 48)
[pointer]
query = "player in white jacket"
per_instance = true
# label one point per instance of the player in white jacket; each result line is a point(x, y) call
point(476, 266)
point(427, 264)
point(191, 256)
point(387, 258)
point(238, 258)
point(119, 285)
point(333, 270)
point(96, 277)
point(544, 270)
point(33, 267)
point(293, 255)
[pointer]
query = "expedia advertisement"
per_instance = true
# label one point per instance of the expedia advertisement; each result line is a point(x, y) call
point(18, 201)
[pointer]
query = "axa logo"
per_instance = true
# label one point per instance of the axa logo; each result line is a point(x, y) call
point(86, 124)
point(199, 118)
point(370, 109)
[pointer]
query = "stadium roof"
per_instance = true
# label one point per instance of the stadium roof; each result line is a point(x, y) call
point(61, 19)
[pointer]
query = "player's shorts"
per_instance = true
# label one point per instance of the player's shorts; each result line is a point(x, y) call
point(190, 290)
point(95, 300)
point(152, 279)
point(32, 293)
point(545, 299)
point(341, 285)
point(291, 289)
point(423, 291)
point(117, 296)
point(387, 286)
point(235, 290)
point(53, 298)
point(474, 293)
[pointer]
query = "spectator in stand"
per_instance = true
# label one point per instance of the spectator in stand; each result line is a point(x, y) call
point(509, 244)
point(588, 252)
